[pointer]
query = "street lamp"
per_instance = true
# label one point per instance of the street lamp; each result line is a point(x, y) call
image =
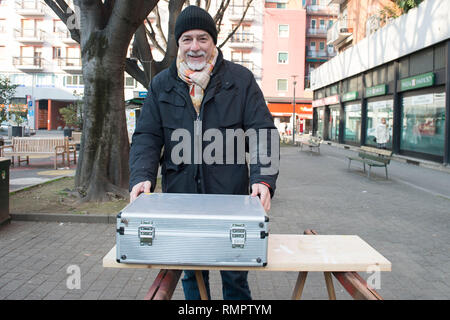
point(293, 112)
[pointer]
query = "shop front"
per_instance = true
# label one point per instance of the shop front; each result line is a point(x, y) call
point(380, 117)
point(334, 125)
point(352, 118)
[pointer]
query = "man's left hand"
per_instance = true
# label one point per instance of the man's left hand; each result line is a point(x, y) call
point(264, 193)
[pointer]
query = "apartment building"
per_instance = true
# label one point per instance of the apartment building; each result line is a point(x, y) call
point(283, 78)
point(399, 73)
point(319, 17)
point(356, 20)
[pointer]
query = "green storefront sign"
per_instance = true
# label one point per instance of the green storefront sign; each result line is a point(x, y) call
point(349, 96)
point(416, 82)
point(376, 91)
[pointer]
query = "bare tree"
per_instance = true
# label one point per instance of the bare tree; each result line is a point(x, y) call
point(152, 34)
point(104, 31)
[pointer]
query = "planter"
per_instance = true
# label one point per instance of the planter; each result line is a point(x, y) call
point(16, 131)
point(68, 132)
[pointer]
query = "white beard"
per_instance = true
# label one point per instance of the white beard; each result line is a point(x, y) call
point(196, 66)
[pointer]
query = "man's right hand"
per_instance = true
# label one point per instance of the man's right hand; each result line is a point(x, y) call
point(140, 188)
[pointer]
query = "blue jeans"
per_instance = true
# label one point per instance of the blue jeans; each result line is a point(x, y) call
point(234, 285)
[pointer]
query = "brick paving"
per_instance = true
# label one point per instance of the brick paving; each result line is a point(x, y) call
point(403, 218)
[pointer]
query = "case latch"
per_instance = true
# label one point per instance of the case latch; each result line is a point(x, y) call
point(146, 233)
point(238, 235)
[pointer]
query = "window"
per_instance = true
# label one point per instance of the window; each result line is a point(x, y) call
point(283, 57)
point(321, 46)
point(282, 85)
point(423, 123)
point(56, 52)
point(322, 24)
point(73, 80)
point(281, 5)
point(330, 23)
point(283, 30)
point(129, 82)
point(313, 24)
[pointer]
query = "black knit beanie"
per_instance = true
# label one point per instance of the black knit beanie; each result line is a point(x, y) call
point(194, 17)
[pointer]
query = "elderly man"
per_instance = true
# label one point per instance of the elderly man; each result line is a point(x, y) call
point(199, 92)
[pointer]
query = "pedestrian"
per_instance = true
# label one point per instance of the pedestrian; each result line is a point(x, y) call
point(382, 134)
point(202, 90)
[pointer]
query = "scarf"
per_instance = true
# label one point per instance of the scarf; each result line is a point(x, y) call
point(196, 80)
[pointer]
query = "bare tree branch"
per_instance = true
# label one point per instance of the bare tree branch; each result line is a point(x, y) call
point(152, 35)
point(60, 9)
point(220, 13)
point(238, 25)
point(159, 27)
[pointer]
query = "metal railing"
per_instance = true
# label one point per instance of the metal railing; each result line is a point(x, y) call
point(28, 61)
point(317, 31)
point(69, 62)
point(31, 5)
point(35, 34)
point(322, 10)
point(243, 37)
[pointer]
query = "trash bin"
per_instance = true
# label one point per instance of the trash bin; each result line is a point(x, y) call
point(4, 190)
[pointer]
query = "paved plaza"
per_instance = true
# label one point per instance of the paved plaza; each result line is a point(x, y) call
point(405, 218)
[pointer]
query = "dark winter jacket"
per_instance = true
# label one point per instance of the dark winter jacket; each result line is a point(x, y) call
point(232, 100)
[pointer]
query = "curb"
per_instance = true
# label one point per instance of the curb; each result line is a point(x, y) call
point(65, 217)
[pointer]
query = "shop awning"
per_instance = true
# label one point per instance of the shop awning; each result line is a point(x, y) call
point(304, 111)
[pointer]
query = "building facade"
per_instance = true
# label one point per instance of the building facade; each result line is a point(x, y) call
point(283, 79)
point(400, 73)
point(319, 17)
point(38, 54)
point(356, 20)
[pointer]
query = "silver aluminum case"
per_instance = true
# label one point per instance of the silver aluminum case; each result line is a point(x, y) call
point(193, 229)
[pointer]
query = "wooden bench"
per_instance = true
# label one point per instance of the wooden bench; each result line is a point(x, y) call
point(311, 142)
point(373, 157)
point(26, 147)
point(74, 144)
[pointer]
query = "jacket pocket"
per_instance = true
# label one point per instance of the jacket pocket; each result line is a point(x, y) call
point(172, 108)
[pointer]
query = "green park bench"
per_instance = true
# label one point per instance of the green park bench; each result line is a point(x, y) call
point(372, 157)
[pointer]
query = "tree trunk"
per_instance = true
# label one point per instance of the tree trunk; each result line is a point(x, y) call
point(102, 171)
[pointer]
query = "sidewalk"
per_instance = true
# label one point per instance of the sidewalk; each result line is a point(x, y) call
point(405, 218)
point(41, 168)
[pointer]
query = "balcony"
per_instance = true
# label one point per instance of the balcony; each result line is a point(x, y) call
point(242, 40)
point(339, 32)
point(322, 10)
point(30, 8)
point(29, 63)
point(64, 36)
point(70, 65)
point(235, 12)
point(319, 55)
point(29, 35)
point(316, 32)
point(257, 72)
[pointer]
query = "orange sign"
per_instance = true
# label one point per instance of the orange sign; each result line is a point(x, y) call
point(304, 111)
point(14, 107)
